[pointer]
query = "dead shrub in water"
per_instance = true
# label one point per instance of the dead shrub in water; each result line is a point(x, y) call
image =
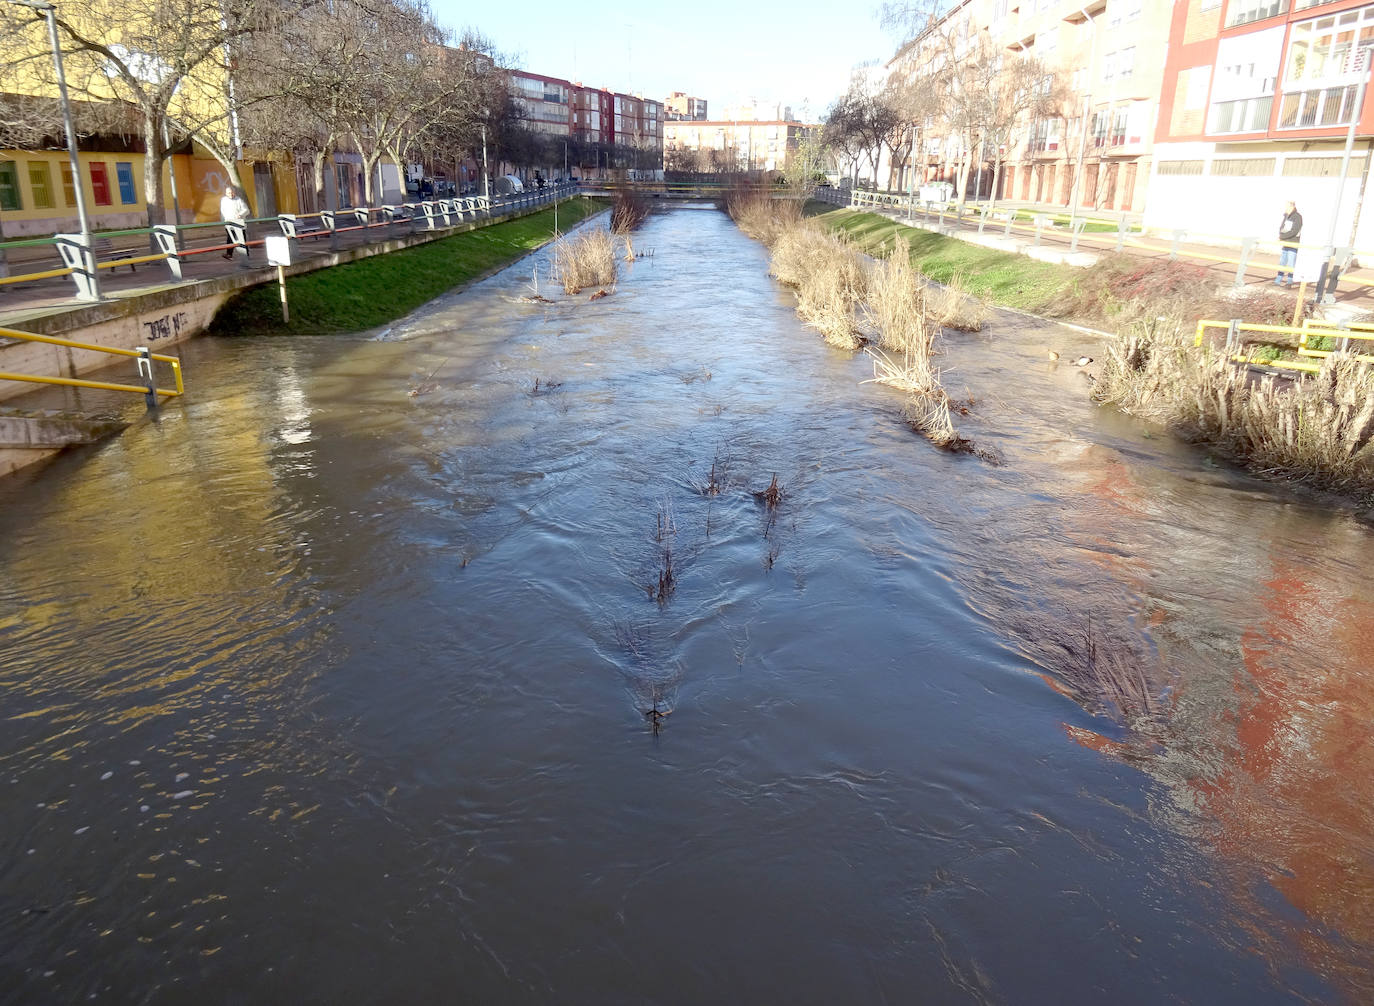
point(1318, 430)
point(952, 306)
point(830, 280)
point(629, 211)
point(585, 260)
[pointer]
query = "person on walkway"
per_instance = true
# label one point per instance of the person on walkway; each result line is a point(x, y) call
point(1289, 232)
point(233, 210)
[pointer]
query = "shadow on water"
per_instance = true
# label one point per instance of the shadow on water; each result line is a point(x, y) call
point(643, 654)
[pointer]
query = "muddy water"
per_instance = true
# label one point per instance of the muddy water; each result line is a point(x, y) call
point(319, 691)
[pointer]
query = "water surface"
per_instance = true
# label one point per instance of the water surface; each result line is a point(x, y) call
point(315, 690)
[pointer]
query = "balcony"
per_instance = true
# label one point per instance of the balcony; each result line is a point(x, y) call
point(1245, 115)
point(1324, 106)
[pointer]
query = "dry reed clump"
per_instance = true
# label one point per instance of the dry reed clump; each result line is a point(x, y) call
point(585, 260)
point(764, 219)
point(830, 280)
point(629, 210)
point(1318, 430)
point(952, 306)
point(898, 308)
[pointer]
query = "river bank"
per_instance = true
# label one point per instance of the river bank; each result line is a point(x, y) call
point(1315, 433)
point(375, 291)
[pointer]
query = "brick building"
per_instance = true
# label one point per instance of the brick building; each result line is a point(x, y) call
point(1256, 103)
point(1104, 57)
point(680, 105)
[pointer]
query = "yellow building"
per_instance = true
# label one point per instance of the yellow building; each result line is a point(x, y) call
point(37, 192)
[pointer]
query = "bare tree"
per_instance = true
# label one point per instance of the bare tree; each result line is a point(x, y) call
point(168, 60)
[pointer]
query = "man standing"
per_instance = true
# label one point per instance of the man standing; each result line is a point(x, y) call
point(1289, 232)
point(233, 210)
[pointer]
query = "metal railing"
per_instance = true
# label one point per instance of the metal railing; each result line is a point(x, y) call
point(177, 244)
point(145, 360)
point(1240, 351)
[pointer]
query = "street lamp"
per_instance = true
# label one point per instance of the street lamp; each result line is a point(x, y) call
point(1330, 272)
point(92, 288)
point(486, 186)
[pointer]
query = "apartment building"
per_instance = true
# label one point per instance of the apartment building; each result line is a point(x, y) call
point(557, 107)
point(732, 146)
point(1105, 61)
point(680, 105)
point(543, 101)
point(1257, 101)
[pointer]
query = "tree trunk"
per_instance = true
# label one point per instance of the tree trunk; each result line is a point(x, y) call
point(322, 157)
point(152, 172)
point(369, 183)
point(996, 174)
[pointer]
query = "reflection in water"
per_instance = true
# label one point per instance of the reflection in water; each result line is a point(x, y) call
point(319, 690)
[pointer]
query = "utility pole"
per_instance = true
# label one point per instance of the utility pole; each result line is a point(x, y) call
point(1326, 278)
point(486, 186)
point(49, 13)
point(1087, 110)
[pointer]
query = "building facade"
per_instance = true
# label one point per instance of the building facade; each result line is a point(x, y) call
point(732, 146)
point(680, 105)
point(1257, 102)
point(1103, 61)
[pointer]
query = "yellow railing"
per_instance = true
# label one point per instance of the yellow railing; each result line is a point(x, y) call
point(1360, 331)
point(1243, 327)
point(72, 382)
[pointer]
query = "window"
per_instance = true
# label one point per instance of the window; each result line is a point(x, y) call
point(9, 187)
point(64, 168)
point(1323, 49)
point(1179, 168)
point(1319, 167)
point(40, 184)
point(1244, 167)
point(1245, 11)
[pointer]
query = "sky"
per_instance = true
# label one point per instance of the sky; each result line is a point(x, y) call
point(726, 51)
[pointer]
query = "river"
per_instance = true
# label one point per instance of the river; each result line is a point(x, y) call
point(317, 690)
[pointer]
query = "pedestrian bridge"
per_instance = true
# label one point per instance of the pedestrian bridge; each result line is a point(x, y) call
point(694, 191)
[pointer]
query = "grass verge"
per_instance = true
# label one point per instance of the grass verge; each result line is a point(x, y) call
point(375, 291)
point(1116, 292)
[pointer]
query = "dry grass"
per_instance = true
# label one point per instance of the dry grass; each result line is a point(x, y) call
point(1119, 290)
point(762, 218)
point(952, 306)
point(1316, 430)
point(830, 280)
point(898, 309)
point(629, 210)
point(586, 260)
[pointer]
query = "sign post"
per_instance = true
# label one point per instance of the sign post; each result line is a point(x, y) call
point(279, 254)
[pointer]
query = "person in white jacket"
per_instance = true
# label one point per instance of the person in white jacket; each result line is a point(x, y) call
point(233, 210)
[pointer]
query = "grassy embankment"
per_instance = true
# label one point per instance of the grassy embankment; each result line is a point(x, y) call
point(1317, 431)
point(374, 291)
point(1116, 292)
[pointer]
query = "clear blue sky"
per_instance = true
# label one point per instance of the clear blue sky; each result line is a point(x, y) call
point(720, 50)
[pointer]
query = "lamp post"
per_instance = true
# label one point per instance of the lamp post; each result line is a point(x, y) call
point(1087, 110)
point(49, 13)
point(486, 185)
point(1329, 273)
